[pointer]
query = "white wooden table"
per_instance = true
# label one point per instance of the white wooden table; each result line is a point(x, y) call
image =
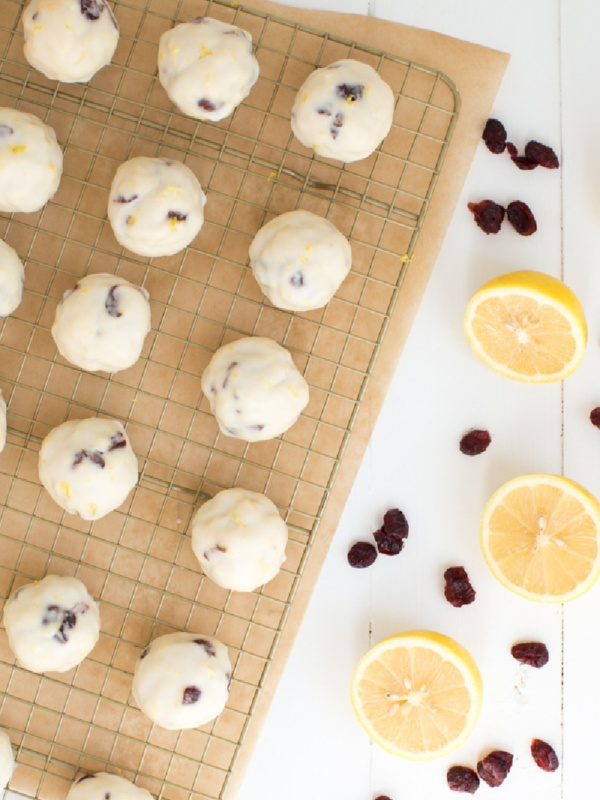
point(311, 746)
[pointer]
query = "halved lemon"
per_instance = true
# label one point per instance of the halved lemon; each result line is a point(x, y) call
point(417, 694)
point(540, 537)
point(528, 326)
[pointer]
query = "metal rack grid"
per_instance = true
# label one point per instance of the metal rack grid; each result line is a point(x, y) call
point(138, 561)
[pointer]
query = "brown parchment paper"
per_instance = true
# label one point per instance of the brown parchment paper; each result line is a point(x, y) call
point(394, 207)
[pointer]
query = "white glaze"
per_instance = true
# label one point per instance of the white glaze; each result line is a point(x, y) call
point(173, 663)
point(207, 67)
point(254, 389)
point(51, 624)
point(30, 161)
point(70, 466)
point(101, 323)
point(299, 260)
point(67, 40)
point(343, 111)
point(239, 539)
point(155, 206)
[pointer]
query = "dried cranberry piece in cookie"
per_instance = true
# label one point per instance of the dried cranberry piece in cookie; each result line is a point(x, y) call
point(474, 442)
point(494, 136)
point(488, 215)
point(595, 416)
point(458, 590)
point(91, 9)
point(521, 218)
point(111, 304)
point(95, 456)
point(350, 92)
point(541, 154)
point(462, 779)
point(534, 654)
point(494, 767)
point(544, 755)
point(191, 694)
point(208, 647)
point(362, 554)
point(390, 537)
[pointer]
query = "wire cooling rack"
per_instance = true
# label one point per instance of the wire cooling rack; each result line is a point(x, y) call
point(138, 561)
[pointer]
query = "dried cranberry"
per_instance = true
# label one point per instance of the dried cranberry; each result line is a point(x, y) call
point(390, 537)
point(488, 215)
point(208, 105)
point(191, 694)
point(111, 304)
point(474, 442)
point(522, 162)
point(362, 554)
point(383, 797)
point(521, 218)
point(208, 646)
point(462, 779)
point(494, 767)
point(95, 456)
point(544, 755)
point(535, 654)
point(117, 440)
point(542, 155)
point(179, 216)
point(458, 590)
point(350, 92)
point(91, 9)
point(494, 136)
point(595, 416)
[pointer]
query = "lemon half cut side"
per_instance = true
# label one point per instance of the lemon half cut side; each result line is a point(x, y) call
point(417, 694)
point(528, 326)
point(540, 537)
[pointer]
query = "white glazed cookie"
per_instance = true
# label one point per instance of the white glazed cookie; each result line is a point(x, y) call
point(155, 206)
point(207, 67)
point(51, 624)
point(3, 425)
point(12, 278)
point(106, 786)
point(101, 323)
point(239, 539)
point(88, 466)
point(343, 111)
point(69, 40)
point(299, 260)
point(7, 759)
point(181, 680)
point(31, 161)
point(254, 389)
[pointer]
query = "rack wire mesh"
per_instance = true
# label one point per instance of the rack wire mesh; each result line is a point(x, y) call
point(138, 560)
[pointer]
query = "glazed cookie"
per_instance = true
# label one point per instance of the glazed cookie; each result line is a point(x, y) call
point(207, 67)
point(299, 260)
point(7, 759)
point(88, 466)
point(181, 680)
point(343, 111)
point(101, 323)
point(155, 206)
point(31, 161)
point(106, 786)
point(69, 40)
point(51, 624)
point(12, 278)
point(254, 389)
point(239, 539)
